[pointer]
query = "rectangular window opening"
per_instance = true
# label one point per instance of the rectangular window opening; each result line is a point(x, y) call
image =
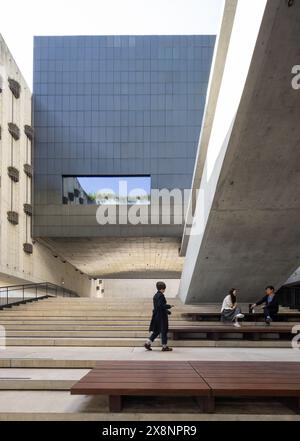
point(106, 190)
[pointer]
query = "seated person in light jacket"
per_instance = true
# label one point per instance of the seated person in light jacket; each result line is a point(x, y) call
point(271, 304)
point(159, 323)
point(230, 312)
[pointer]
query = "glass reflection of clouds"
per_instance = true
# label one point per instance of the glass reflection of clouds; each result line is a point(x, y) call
point(107, 190)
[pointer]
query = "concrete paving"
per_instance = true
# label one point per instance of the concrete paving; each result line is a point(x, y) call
point(52, 405)
point(139, 353)
point(39, 379)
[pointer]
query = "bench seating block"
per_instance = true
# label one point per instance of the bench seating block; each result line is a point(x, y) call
point(142, 378)
point(205, 380)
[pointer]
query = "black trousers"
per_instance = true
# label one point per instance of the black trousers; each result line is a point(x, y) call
point(163, 336)
point(269, 312)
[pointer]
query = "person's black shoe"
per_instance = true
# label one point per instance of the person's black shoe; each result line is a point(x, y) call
point(268, 321)
point(166, 349)
point(147, 346)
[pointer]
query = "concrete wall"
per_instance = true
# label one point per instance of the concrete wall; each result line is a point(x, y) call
point(241, 30)
point(16, 266)
point(295, 277)
point(129, 288)
point(249, 202)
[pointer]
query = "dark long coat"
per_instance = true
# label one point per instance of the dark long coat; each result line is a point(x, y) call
point(273, 306)
point(159, 322)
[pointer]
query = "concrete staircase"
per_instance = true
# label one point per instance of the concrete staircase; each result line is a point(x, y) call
point(94, 322)
point(84, 322)
point(53, 343)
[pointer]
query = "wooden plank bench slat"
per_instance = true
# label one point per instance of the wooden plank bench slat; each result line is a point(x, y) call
point(215, 331)
point(117, 379)
point(216, 316)
point(205, 381)
point(152, 388)
point(251, 379)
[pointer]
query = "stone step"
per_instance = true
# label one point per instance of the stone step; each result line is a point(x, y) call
point(117, 326)
point(138, 341)
point(47, 363)
point(70, 321)
point(80, 334)
point(86, 357)
point(82, 312)
point(78, 311)
point(39, 379)
point(67, 314)
point(61, 405)
point(86, 327)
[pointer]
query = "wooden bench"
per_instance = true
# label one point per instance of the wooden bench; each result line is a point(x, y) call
point(257, 316)
point(250, 379)
point(205, 380)
point(214, 332)
point(142, 378)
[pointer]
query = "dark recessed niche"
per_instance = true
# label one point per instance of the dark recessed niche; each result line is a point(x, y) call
point(28, 170)
point(81, 201)
point(28, 248)
point(71, 196)
point(14, 130)
point(14, 87)
point(65, 200)
point(13, 173)
point(76, 192)
point(29, 132)
point(13, 217)
point(28, 209)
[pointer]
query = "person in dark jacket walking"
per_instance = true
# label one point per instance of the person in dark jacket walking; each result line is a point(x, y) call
point(271, 304)
point(159, 324)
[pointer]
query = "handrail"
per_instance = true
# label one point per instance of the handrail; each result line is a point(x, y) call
point(28, 292)
point(38, 284)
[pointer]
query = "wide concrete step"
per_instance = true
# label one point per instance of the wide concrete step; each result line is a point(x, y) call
point(117, 326)
point(30, 324)
point(93, 342)
point(138, 341)
point(39, 379)
point(78, 314)
point(36, 317)
point(62, 406)
point(91, 313)
point(86, 357)
point(85, 327)
point(80, 334)
point(111, 301)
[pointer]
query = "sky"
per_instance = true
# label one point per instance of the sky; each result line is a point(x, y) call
point(21, 20)
point(95, 184)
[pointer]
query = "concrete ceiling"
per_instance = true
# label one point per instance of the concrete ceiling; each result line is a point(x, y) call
point(130, 257)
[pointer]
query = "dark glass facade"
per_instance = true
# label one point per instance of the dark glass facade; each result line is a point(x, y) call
point(118, 105)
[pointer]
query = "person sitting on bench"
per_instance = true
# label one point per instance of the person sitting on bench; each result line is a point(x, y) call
point(159, 323)
point(230, 312)
point(271, 304)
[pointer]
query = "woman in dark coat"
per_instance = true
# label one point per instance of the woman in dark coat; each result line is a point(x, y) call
point(159, 324)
